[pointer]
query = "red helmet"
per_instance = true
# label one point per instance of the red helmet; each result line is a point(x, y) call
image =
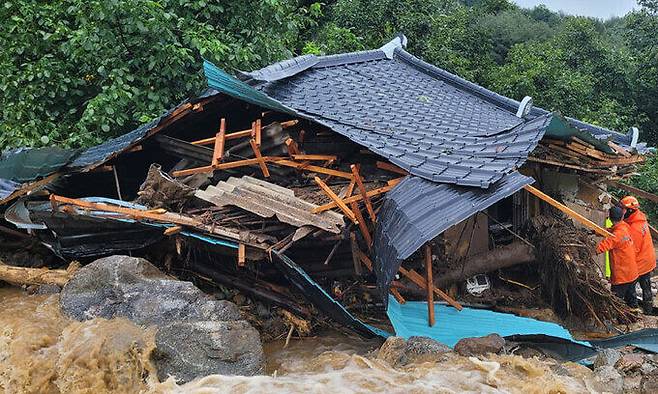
point(630, 202)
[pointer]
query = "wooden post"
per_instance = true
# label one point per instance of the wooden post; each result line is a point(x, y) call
point(218, 152)
point(242, 255)
point(581, 219)
point(327, 190)
point(259, 157)
point(430, 284)
point(116, 182)
point(355, 254)
point(293, 149)
point(258, 132)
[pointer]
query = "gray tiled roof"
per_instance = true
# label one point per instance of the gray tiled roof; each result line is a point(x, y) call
point(421, 118)
point(416, 211)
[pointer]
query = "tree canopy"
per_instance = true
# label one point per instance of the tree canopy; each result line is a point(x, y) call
point(74, 73)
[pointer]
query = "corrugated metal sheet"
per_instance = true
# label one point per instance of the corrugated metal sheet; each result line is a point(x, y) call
point(7, 187)
point(267, 200)
point(410, 319)
point(416, 211)
point(26, 165)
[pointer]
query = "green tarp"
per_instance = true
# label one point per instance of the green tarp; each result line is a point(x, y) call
point(30, 164)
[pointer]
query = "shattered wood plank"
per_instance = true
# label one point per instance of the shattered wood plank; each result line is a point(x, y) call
point(580, 218)
point(619, 149)
point(419, 281)
point(312, 168)
point(391, 168)
point(632, 189)
point(293, 149)
point(259, 157)
point(327, 190)
point(428, 282)
point(224, 166)
point(364, 193)
point(358, 197)
point(570, 166)
point(398, 297)
point(218, 152)
point(258, 132)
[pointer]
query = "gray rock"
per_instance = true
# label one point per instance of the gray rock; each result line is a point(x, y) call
point(189, 350)
point(629, 363)
point(649, 383)
point(397, 352)
point(48, 289)
point(492, 343)
point(123, 286)
point(607, 379)
point(606, 357)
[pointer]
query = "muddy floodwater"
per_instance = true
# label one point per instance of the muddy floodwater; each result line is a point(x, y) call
point(41, 351)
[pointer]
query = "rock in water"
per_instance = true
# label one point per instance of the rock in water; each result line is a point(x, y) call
point(492, 343)
point(123, 286)
point(196, 334)
point(397, 352)
point(188, 350)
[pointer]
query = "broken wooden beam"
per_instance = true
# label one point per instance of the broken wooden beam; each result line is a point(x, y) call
point(257, 132)
point(578, 217)
point(634, 190)
point(36, 276)
point(261, 162)
point(358, 197)
point(327, 190)
point(419, 281)
point(364, 192)
point(396, 294)
point(238, 134)
point(312, 168)
point(224, 166)
point(218, 151)
point(173, 230)
point(429, 284)
point(362, 224)
point(313, 157)
point(382, 165)
point(293, 149)
point(355, 254)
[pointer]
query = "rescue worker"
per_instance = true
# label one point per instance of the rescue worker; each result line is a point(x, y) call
point(645, 255)
point(622, 258)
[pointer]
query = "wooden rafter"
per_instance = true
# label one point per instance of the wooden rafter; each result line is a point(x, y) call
point(578, 217)
point(259, 157)
point(314, 157)
point(391, 168)
point(327, 190)
point(364, 193)
point(312, 168)
point(218, 152)
point(258, 130)
point(358, 197)
point(293, 149)
point(239, 134)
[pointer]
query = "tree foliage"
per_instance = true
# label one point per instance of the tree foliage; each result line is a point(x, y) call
point(75, 72)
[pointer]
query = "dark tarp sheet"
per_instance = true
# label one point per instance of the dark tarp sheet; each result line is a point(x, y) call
point(416, 211)
point(323, 301)
point(25, 165)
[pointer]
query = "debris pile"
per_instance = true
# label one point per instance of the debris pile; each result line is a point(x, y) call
point(571, 281)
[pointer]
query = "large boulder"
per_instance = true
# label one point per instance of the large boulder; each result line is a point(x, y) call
point(492, 343)
point(188, 350)
point(123, 286)
point(196, 335)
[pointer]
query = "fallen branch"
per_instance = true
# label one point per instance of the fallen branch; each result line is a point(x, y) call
point(36, 276)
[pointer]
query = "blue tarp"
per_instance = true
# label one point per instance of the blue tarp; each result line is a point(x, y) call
point(410, 319)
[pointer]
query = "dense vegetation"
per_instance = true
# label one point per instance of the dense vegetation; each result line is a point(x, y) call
point(75, 72)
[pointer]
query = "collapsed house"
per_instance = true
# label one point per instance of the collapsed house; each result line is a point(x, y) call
point(362, 178)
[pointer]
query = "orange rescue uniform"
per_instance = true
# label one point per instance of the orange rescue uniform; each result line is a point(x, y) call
point(622, 254)
point(645, 255)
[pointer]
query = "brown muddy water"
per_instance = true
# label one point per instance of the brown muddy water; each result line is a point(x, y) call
point(41, 351)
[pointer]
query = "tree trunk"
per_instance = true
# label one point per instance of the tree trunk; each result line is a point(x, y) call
point(36, 276)
point(501, 257)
